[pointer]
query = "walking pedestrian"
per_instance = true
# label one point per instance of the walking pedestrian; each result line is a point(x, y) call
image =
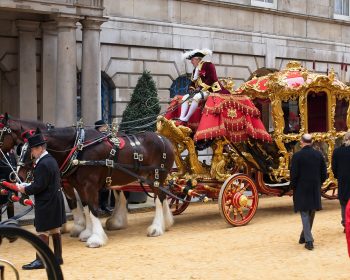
point(341, 171)
point(307, 174)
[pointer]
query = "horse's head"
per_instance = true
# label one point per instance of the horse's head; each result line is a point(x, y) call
point(25, 163)
point(8, 137)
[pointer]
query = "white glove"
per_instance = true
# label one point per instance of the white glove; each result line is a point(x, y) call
point(25, 184)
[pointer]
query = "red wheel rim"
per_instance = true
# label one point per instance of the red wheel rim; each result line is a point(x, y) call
point(177, 206)
point(238, 200)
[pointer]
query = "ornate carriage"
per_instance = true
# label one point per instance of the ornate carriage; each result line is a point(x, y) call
point(291, 102)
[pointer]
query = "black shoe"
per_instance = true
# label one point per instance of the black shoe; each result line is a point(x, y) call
point(309, 245)
point(301, 240)
point(36, 264)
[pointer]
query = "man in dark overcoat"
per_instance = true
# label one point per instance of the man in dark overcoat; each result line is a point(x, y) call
point(307, 174)
point(341, 171)
point(49, 205)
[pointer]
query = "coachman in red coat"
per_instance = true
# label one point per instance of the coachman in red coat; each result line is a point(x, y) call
point(212, 111)
point(204, 82)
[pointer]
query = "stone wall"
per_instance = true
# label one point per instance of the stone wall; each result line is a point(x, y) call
point(152, 34)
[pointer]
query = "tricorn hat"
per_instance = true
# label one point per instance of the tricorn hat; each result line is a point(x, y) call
point(36, 140)
point(196, 53)
point(99, 123)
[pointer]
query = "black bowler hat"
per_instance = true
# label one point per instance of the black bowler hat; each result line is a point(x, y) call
point(36, 140)
point(99, 123)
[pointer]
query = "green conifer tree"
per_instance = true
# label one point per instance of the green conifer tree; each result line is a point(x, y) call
point(143, 107)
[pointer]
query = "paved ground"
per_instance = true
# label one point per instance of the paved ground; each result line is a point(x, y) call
point(202, 246)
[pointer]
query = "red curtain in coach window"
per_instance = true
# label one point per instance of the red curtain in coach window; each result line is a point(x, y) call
point(317, 112)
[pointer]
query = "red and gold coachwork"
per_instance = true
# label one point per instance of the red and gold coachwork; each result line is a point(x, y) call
point(297, 101)
point(245, 161)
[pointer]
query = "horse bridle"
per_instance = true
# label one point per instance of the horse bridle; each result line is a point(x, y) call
point(5, 129)
point(22, 163)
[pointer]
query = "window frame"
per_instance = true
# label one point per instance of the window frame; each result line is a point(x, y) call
point(340, 16)
point(259, 3)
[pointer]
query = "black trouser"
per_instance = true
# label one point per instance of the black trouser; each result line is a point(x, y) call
point(343, 207)
point(307, 218)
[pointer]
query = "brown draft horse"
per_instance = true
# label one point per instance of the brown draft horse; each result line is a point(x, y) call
point(88, 180)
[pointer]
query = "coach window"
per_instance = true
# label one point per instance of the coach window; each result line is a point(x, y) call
point(291, 116)
point(264, 106)
point(317, 112)
point(341, 110)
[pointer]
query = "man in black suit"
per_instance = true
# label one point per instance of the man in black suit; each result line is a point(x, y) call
point(49, 206)
point(307, 174)
point(341, 171)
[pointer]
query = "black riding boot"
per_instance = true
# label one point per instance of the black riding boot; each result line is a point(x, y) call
point(57, 247)
point(10, 210)
point(37, 263)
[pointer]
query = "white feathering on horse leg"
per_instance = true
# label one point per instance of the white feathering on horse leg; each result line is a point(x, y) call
point(98, 237)
point(64, 228)
point(157, 228)
point(168, 216)
point(87, 232)
point(119, 218)
point(79, 222)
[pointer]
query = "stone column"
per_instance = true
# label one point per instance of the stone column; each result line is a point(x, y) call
point(91, 70)
point(270, 58)
point(49, 71)
point(28, 93)
point(66, 83)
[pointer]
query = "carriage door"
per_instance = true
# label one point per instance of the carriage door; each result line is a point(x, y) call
point(317, 112)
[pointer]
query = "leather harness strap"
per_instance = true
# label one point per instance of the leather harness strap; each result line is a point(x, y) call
point(113, 157)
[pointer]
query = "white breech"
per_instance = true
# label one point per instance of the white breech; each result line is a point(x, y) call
point(194, 105)
point(201, 95)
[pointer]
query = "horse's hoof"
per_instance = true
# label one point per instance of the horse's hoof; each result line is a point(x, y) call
point(154, 231)
point(112, 224)
point(85, 235)
point(76, 230)
point(95, 241)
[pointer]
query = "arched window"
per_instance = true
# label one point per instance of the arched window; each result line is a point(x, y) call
point(78, 95)
point(107, 88)
point(179, 86)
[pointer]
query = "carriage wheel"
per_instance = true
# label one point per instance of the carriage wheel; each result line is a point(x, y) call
point(330, 192)
point(177, 206)
point(53, 269)
point(238, 200)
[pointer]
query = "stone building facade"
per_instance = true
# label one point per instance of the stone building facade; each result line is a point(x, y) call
point(52, 51)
